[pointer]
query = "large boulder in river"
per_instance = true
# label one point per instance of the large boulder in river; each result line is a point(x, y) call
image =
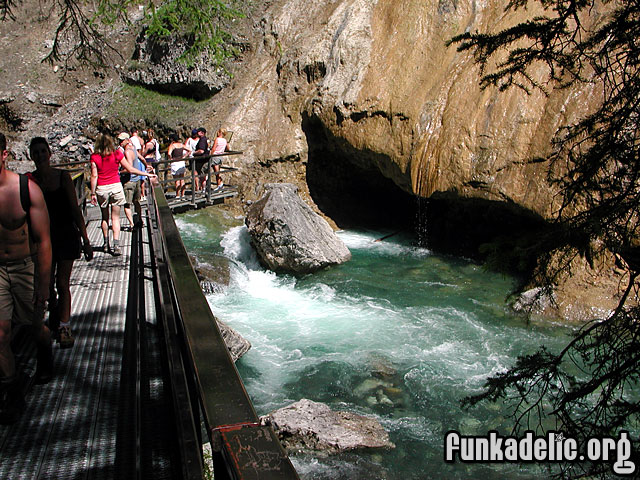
point(289, 236)
point(307, 425)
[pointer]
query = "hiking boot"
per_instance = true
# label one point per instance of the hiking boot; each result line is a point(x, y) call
point(11, 401)
point(115, 251)
point(44, 368)
point(65, 338)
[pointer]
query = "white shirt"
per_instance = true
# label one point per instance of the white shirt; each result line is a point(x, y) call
point(191, 145)
point(135, 141)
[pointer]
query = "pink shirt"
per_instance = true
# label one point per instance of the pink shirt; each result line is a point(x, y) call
point(108, 167)
point(220, 145)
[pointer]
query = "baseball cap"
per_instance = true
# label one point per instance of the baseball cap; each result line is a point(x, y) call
point(123, 136)
point(194, 132)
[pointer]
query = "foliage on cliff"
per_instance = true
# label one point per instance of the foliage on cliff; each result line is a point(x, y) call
point(590, 387)
point(80, 37)
point(200, 22)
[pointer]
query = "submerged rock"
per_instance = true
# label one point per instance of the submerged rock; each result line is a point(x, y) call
point(307, 425)
point(213, 275)
point(289, 236)
point(212, 278)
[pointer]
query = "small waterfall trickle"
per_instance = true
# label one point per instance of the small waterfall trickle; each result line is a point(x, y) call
point(421, 221)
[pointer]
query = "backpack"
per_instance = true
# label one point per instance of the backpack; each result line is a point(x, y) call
point(25, 199)
point(125, 176)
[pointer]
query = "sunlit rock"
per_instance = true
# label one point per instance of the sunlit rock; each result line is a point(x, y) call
point(307, 425)
point(236, 343)
point(289, 236)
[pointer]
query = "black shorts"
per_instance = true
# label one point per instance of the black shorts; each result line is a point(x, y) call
point(200, 164)
point(65, 245)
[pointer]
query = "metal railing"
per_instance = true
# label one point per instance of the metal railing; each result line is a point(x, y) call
point(205, 383)
point(193, 173)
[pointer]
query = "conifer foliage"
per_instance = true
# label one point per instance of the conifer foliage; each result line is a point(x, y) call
point(590, 388)
point(80, 38)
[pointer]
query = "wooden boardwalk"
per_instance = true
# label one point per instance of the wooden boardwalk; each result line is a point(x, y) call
point(199, 200)
point(68, 430)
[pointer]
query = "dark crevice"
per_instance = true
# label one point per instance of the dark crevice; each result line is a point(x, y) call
point(353, 196)
point(503, 234)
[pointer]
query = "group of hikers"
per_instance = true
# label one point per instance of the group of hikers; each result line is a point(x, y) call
point(196, 145)
point(43, 231)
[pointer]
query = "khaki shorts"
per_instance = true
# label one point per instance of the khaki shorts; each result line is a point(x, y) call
point(132, 192)
point(16, 293)
point(110, 194)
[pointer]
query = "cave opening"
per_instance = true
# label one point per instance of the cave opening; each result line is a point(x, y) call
point(352, 195)
point(345, 184)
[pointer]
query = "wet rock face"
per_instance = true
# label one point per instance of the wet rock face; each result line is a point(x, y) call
point(311, 426)
point(289, 236)
point(214, 277)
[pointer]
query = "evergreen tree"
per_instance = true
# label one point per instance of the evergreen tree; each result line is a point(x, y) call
point(79, 38)
point(590, 388)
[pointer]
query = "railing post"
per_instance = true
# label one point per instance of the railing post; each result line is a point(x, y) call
point(209, 180)
point(193, 180)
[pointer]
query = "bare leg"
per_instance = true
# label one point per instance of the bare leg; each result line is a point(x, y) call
point(115, 222)
point(63, 277)
point(54, 311)
point(216, 169)
point(105, 224)
point(128, 214)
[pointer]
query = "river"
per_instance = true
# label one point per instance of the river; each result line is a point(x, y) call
point(397, 333)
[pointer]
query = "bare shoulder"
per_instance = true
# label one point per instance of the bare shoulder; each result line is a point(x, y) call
point(12, 216)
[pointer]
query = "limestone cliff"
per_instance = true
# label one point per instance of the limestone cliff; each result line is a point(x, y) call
point(378, 81)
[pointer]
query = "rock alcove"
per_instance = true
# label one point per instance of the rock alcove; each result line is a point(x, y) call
point(348, 186)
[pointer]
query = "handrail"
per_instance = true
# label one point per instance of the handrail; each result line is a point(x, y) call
point(227, 412)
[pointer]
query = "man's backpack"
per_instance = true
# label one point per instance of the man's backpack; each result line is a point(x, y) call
point(25, 199)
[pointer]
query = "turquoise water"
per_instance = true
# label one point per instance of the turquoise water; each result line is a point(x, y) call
point(397, 333)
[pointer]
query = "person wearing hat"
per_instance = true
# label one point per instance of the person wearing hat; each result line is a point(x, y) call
point(131, 183)
point(106, 189)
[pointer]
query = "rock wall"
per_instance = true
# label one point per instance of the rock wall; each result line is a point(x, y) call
point(359, 103)
point(379, 81)
point(364, 107)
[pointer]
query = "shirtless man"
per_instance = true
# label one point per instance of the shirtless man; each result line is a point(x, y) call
point(25, 270)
